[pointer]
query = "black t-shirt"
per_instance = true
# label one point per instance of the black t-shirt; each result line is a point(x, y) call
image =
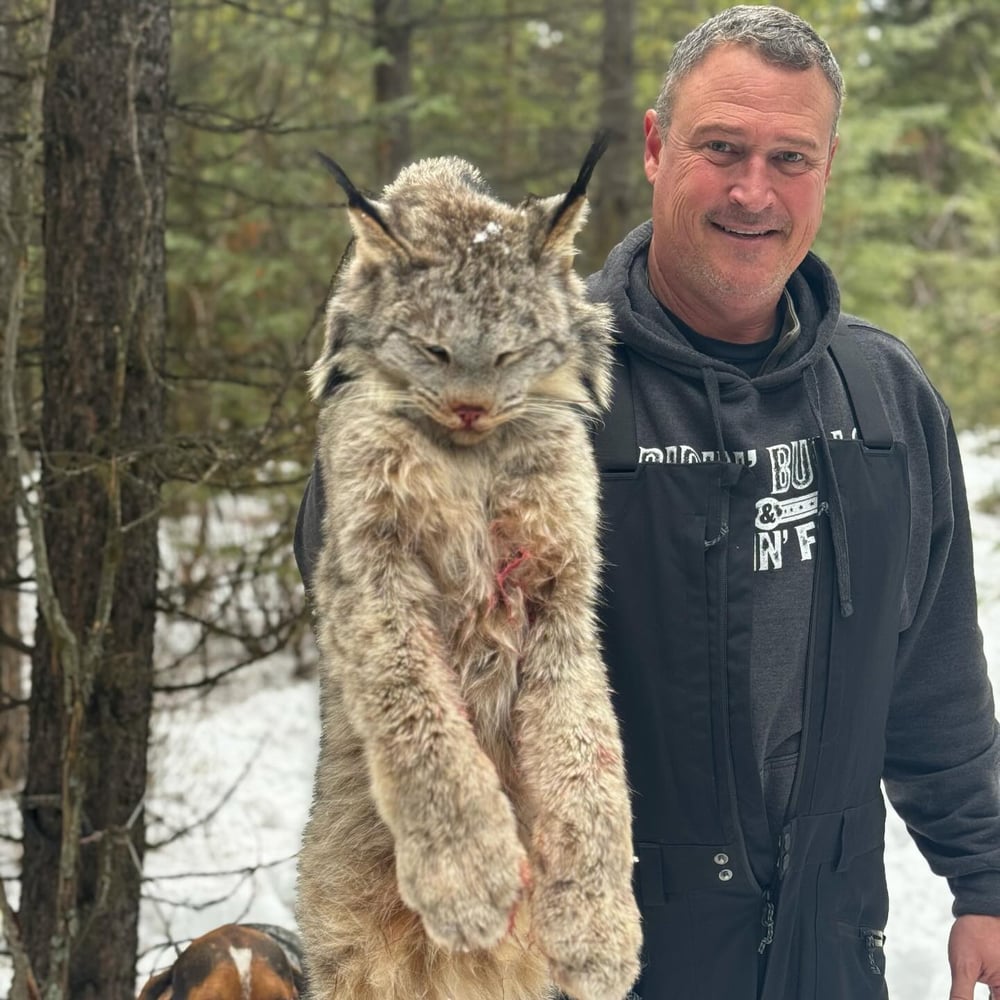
point(747, 357)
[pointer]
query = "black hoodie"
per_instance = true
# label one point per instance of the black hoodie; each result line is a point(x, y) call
point(941, 767)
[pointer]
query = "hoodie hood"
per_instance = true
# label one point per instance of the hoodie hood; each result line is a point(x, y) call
point(623, 284)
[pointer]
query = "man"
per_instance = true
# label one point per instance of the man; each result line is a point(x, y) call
point(790, 610)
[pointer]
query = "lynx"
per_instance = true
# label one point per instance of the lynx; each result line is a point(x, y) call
point(470, 831)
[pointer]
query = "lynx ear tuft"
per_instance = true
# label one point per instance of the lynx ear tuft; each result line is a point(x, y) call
point(375, 238)
point(569, 213)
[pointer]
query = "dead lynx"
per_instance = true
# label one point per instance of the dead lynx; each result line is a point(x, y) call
point(470, 831)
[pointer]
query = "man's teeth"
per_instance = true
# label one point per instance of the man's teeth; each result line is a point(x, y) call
point(744, 232)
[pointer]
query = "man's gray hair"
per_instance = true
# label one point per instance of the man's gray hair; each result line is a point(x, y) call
point(776, 35)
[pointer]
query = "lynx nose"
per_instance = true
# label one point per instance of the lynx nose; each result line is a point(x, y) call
point(468, 413)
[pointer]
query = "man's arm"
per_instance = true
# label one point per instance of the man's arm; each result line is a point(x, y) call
point(942, 740)
point(942, 769)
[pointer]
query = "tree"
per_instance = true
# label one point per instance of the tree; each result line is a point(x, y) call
point(94, 533)
point(910, 227)
point(393, 86)
point(20, 109)
point(613, 199)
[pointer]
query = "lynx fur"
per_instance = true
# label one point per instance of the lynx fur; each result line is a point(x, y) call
point(470, 831)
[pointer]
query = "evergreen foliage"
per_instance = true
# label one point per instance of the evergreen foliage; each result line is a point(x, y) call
point(254, 230)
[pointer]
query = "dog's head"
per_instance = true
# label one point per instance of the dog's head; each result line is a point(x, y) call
point(233, 962)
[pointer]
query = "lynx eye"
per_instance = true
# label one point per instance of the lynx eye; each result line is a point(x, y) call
point(437, 353)
point(506, 358)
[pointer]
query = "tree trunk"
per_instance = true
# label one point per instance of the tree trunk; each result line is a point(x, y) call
point(18, 108)
point(393, 86)
point(612, 198)
point(103, 405)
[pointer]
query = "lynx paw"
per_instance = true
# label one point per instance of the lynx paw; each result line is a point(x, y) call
point(467, 893)
point(592, 942)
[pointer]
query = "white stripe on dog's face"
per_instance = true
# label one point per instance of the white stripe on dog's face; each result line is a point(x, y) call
point(242, 957)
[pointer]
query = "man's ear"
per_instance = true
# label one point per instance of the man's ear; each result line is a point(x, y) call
point(829, 160)
point(654, 144)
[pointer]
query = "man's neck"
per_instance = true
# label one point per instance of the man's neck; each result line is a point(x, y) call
point(741, 322)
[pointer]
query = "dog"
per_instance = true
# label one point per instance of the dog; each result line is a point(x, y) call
point(234, 962)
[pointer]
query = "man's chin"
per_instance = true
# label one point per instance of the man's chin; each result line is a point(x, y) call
point(742, 284)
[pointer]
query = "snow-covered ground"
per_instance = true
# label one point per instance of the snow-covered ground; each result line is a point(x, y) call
point(236, 767)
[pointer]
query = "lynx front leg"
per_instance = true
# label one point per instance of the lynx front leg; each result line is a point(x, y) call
point(459, 861)
point(570, 754)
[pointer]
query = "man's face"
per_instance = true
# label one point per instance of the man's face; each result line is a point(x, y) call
point(740, 177)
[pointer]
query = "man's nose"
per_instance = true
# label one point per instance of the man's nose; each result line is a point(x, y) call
point(751, 187)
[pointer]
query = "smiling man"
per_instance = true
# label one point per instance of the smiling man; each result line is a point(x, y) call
point(790, 610)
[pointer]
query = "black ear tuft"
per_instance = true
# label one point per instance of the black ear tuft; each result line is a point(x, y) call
point(578, 189)
point(355, 199)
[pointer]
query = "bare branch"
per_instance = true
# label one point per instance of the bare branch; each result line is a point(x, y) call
point(217, 808)
point(25, 985)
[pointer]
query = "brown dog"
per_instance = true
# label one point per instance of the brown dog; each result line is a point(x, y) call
point(233, 962)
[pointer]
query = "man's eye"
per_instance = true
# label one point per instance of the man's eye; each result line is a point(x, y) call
point(789, 156)
point(719, 146)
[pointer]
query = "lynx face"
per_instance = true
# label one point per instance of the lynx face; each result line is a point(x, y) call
point(461, 311)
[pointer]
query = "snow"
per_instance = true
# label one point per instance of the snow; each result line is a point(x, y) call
point(492, 229)
point(236, 765)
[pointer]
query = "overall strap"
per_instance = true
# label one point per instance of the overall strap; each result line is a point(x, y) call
point(869, 411)
point(615, 439)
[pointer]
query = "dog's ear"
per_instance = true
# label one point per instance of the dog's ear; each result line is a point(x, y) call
point(159, 987)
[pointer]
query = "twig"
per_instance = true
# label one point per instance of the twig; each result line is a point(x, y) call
point(24, 977)
point(217, 808)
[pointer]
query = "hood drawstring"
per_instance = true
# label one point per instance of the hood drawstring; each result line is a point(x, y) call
point(731, 471)
point(835, 506)
point(711, 380)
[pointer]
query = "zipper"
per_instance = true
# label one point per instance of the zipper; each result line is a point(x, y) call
point(722, 567)
point(767, 919)
point(819, 567)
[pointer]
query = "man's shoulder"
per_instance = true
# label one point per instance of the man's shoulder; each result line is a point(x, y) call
point(878, 345)
point(896, 367)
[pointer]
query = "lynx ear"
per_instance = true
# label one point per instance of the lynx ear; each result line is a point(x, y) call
point(565, 216)
point(375, 239)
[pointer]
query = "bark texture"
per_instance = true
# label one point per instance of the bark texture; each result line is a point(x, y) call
point(103, 408)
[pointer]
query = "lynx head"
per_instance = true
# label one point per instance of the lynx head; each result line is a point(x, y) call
point(461, 310)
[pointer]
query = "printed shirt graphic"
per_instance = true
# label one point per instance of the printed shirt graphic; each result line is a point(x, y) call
point(788, 501)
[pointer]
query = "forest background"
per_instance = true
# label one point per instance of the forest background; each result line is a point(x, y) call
point(166, 243)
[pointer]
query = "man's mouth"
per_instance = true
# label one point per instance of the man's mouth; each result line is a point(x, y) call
point(743, 232)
